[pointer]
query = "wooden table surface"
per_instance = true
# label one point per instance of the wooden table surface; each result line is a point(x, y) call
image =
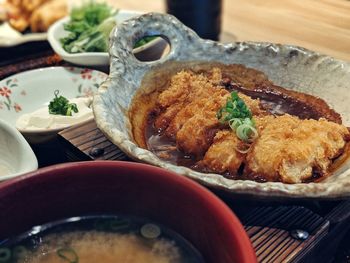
point(320, 25)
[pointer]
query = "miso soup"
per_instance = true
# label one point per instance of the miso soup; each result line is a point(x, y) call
point(95, 239)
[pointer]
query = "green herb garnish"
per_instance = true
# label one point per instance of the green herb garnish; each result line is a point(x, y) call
point(61, 106)
point(239, 118)
point(144, 41)
point(89, 27)
point(68, 254)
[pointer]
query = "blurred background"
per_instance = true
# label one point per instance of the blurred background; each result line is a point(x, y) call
point(320, 25)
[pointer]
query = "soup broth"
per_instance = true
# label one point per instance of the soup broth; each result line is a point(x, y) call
point(99, 239)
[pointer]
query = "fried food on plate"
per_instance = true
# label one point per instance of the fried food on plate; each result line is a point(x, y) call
point(224, 154)
point(291, 150)
point(37, 15)
point(228, 132)
point(47, 14)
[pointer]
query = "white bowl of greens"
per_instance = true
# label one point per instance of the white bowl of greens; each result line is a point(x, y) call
point(82, 38)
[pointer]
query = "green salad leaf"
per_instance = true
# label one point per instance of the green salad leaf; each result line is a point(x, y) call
point(61, 106)
point(89, 27)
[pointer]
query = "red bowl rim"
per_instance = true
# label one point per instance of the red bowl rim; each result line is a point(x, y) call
point(226, 214)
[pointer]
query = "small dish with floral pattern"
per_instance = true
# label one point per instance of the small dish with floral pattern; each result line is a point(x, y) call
point(42, 102)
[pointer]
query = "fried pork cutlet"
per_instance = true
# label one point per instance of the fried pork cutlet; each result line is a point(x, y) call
point(292, 150)
point(195, 107)
point(188, 95)
point(287, 148)
point(198, 105)
point(192, 102)
point(223, 155)
point(197, 132)
point(184, 87)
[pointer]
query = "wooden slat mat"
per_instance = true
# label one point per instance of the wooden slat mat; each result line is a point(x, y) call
point(270, 228)
point(273, 230)
point(86, 142)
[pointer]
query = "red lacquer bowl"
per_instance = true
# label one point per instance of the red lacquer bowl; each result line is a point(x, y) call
point(77, 189)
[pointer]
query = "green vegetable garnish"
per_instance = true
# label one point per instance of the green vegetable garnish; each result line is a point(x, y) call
point(239, 118)
point(89, 27)
point(68, 254)
point(144, 40)
point(61, 106)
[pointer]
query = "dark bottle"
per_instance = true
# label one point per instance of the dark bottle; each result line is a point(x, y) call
point(203, 16)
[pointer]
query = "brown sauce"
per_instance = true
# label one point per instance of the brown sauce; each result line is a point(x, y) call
point(165, 148)
point(278, 103)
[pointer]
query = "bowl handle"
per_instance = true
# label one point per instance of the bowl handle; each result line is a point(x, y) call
point(125, 35)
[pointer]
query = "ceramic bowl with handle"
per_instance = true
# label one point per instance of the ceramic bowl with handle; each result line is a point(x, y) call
point(291, 67)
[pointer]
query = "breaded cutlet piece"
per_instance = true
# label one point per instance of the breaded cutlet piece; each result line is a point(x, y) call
point(185, 86)
point(195, 107)
point(222, 156)
point(197, 133)
point(188, 111)
point(45, 15)
point(187, 94)
point(290, 150)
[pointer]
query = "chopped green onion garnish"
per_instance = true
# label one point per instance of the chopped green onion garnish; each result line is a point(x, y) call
point(246, 132)
point(61, 106)
point(239, 118)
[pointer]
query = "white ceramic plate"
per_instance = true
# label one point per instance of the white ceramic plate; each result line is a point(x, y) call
point(56, 32)
point(16, 156)
point(28, 91)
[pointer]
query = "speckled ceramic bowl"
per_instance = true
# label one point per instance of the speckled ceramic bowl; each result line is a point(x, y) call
point(288, 66)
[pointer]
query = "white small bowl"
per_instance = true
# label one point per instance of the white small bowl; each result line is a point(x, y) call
point(16, 156)
point(31, 90)
point(10, 37)
point(151, 50)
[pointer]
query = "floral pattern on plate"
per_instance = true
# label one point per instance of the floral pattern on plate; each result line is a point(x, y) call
point(6, 94)
point(30, 90)
point(86, 75)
